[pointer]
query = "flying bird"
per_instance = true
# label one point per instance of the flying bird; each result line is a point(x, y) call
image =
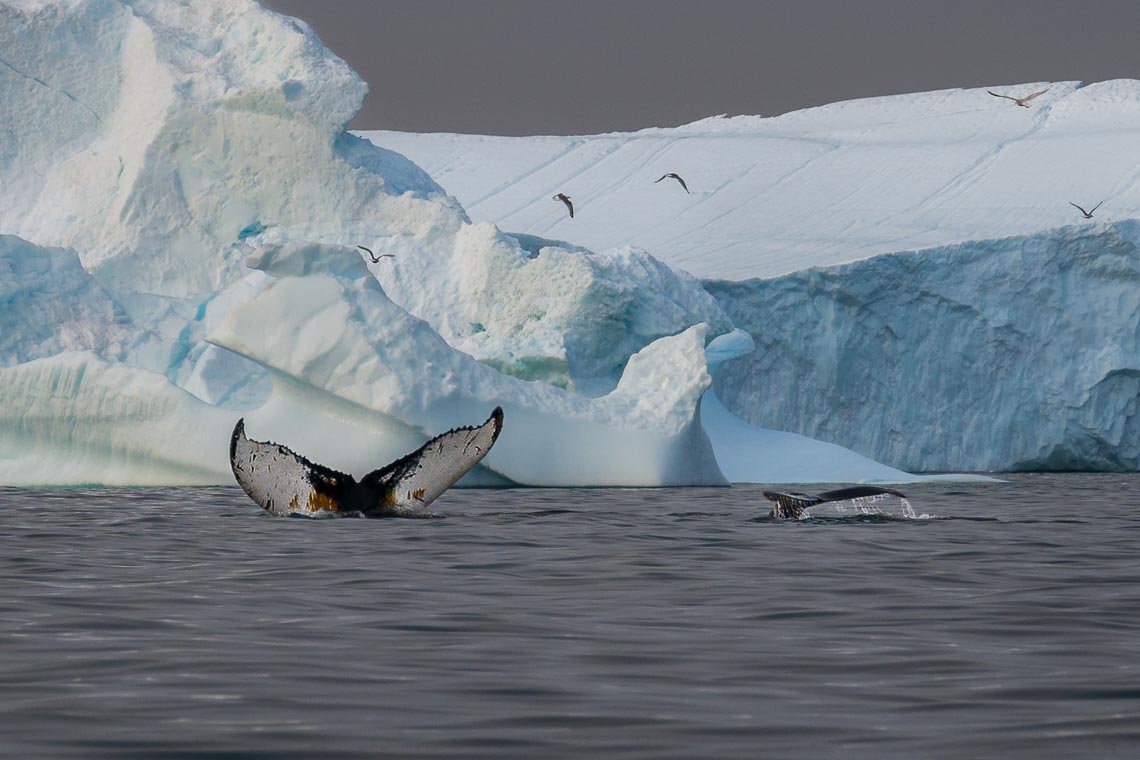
point(1088, 214)
point(285, 483)
point(675, 176)
point(374, 257)
point(565, 199)
point(1023, 102)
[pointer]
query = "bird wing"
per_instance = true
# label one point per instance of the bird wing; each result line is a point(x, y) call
point(1094, 208)
point(1028, 98)
point(1007, 97)
point(682, 183)
point(570, 206)
point(1081, 209)
point(370, 254)
point(283, 482)
point(409, 484)
point(663, 176)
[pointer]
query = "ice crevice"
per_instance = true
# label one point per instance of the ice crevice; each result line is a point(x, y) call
point(62, 92)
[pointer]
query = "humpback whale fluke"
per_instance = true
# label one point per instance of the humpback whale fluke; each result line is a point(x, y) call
point(1023, 102)
point(1088, 214)
point(793, 504)
point(565, 199)
point(675, 176)
point(283, 482)
point(374, 257)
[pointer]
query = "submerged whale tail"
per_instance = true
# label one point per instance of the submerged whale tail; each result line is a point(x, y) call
point(283, 482)
point(793, 504)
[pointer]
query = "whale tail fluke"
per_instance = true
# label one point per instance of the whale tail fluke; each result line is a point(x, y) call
point(412, 482)
point(794, 505)
point(789, 504)
point(284, 483)
point(857, 492)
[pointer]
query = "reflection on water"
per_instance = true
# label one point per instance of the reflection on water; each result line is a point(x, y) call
point(590, 623)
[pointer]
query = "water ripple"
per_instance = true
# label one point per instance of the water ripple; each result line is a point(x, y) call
point(545, 622)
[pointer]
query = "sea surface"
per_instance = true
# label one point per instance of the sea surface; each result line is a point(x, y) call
point(609, 623)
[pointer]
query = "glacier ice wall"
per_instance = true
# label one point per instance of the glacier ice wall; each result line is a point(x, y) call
point(1019, 353)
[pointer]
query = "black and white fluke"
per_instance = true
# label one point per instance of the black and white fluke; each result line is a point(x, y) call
point(285, 483)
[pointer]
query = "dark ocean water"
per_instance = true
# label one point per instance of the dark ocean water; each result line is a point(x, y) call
point(665, 623)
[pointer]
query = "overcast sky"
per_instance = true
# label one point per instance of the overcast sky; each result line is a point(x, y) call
point(516, 67)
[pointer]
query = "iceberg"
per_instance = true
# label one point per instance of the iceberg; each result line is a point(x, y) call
point(180, 210)
point(917, 285)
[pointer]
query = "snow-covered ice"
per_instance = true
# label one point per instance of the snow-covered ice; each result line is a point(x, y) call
point(817, 187)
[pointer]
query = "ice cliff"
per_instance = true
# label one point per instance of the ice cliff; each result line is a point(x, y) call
point(179, 213)
point(1020, 353)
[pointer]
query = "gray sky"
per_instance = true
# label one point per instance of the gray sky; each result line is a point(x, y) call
point(516, 67)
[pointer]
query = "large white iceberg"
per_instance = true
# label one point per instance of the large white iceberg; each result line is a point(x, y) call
point(918, 286)
point(180, 209)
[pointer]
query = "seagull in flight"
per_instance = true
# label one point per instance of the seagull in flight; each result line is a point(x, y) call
point(565, 199)
point(675, 176)
point(374, 257)
point(1023, 102)
point(1088, 214)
